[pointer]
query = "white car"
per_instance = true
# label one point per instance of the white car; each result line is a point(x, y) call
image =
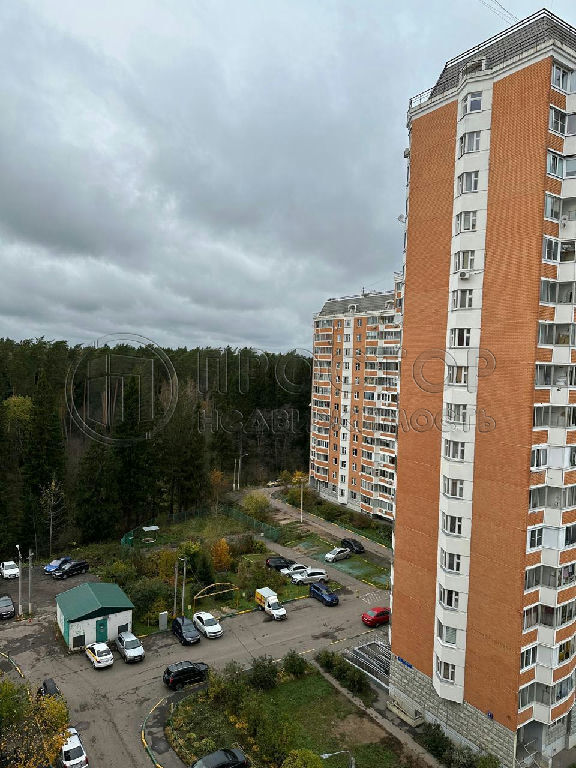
point(310, 576)
point(292, 569)
point(73, 752)
point(100, 655)
point(9, 570)
point(338, 553)
point(207, 625)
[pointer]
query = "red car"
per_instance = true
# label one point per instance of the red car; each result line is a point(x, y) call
point(375, 617)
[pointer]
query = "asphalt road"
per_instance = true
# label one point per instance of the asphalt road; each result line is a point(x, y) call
point(108, 706)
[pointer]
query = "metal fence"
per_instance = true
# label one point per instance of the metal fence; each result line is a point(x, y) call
point(374, 659)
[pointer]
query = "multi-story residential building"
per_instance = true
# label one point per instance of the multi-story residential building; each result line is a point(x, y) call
point(484, 583)
point(357, 343)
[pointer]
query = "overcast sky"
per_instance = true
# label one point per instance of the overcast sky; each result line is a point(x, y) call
point(208, 172)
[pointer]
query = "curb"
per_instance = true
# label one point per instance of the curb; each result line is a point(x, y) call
point(16, 667)
point(143, 736)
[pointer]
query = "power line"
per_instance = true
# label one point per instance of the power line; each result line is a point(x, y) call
point(507, 11)
point(498, 12)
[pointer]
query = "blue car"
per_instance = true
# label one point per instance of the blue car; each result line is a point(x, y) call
point(58, 563)
point(324, 594)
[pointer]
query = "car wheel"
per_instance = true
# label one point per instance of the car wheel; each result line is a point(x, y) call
point(93, 665)
point(181, 640)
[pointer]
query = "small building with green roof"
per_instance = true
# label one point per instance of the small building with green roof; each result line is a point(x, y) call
point(93, 613)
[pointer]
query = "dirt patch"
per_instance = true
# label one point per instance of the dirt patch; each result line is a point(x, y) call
point(358, 729)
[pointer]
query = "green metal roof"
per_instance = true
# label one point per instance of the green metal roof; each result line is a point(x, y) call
point(91, 600)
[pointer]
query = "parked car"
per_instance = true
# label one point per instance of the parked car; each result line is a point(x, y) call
point(309, 576)
point(324, 594)
point(73, 568)
point(58, 563)
point(7, 609)
point(292, 569)
point(375, 617)
point(273, 484)
point(182, 673)
point(73, 752)
point(129, 647)
point(9, 569)
point(48, 688)
point(185, 631)
point(338, 553)
point(207, 624)
point(100, 655)
point(224, 758)
point(353, 545)
point(279, 562)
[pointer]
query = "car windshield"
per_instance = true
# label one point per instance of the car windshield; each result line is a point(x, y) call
point(275, 606)
point(10, 564)
point(132, 644)
point(102, 653)
point(74, 753)
point(55, 562)
point(211, 622)
point(371, 613)
point(187, 623)
point(5, 602)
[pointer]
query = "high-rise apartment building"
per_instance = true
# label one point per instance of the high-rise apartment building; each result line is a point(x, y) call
point(484, 583)
point(357, 342)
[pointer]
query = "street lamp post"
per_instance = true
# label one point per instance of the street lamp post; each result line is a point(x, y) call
point(183, 582)
point(175, 586)
point(30, 556)
point(352, 761)
point(301, 500)
point(19, 580)
point(234, 480)
point(240, 467)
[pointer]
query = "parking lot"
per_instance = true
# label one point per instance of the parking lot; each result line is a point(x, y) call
point(108, 706)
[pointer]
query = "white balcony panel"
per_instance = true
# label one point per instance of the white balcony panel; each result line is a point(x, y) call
point(450, 653)
point(566, 271)
point(559, 395)
point(458, 545)
point(546, 635)
point(448, 691)
point(568, 230)
point(542, 713)
point(564, 313)
point(549, 596)
point(568, 190)
point(551, 557)
point(556, 435)
point(451, 618)
point(552, 516)
point(544, 675)
point(555, 477)
point(456, 507)
point(561, 354)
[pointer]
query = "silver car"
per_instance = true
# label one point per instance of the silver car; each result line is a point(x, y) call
point(309, 576)
point(129, 647)
point(338, 553)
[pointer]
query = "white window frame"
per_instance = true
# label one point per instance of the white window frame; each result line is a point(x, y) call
point(460, 337)
point(462, 298)
point(463, 260)
point(451, 524)
point(448, 598)
point(561, 78)
point(457, 375)
point(454, 449)
point(452, 488)
point(528, 657)
point(535, 538)
point(450, 561)
point(465, 221)
point(552, 207)
point(445, 671)
point(469, 142)
point(445, 634)
point(539, 457)
point(472, 102)
point(551, 249)
point(558, 119)
point(554, 164)
point(467, 182)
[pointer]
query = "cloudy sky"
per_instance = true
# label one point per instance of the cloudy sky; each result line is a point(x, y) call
point(209, 171)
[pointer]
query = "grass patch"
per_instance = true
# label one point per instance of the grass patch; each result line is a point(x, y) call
point(314, 710)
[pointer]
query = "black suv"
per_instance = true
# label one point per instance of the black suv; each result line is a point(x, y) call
point(70, 569)
point(185, 630)
point(7, 609)
point(353, 545)
point(279, 562)
point(224, 758)
point(182, 673)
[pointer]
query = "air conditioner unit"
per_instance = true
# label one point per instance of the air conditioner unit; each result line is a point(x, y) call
point(464, 275)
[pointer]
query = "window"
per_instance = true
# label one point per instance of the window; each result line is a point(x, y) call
point(569, 167)
point(538, 497)
point(472, 102)
point(462, 299)
point(548, 292)
point(551, 249)
point(566, 650)
point(530, 617)
point(528, 657)
point(456, 413)
point(448, 597)
point(454, 449)
point(457, 374)
point(445, 671)
point(449, 561)
point(555, 165)
point(560, 78)
point(526, 695)
point(463, 260)
point(534, 538)
point(552, 207)
point(359, 322)
point(466, 221)
point(468, 182)
point(451, 524)
point(538, 458)
point(459, 337)
point(532, 578)
point(446, 634)
point(570, 536)
point(453, 488)
point(469, 142)
point(557, 120)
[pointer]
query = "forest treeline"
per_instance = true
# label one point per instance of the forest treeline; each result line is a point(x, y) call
point(83, 462)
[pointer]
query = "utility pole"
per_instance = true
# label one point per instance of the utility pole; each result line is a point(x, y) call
point(234, 480)
point(301, 499)
point(240, 467)
point(19, 580)
point(30, 556)
point(175, 586)
point(183, 586)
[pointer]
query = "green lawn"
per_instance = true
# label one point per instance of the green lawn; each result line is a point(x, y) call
point(318, 714)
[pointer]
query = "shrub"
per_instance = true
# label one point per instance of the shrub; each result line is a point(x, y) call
point(257, 506)
point(355, 680)
point(303, 758)
point(263, 674)
point(221, 557)
point(326, 660)
point(274, 739)
point(252, 711)
point(435, 740)
point(363, 522)
point(147, 592)
point(487, 761)
point(295, 665)
point(121, 572)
